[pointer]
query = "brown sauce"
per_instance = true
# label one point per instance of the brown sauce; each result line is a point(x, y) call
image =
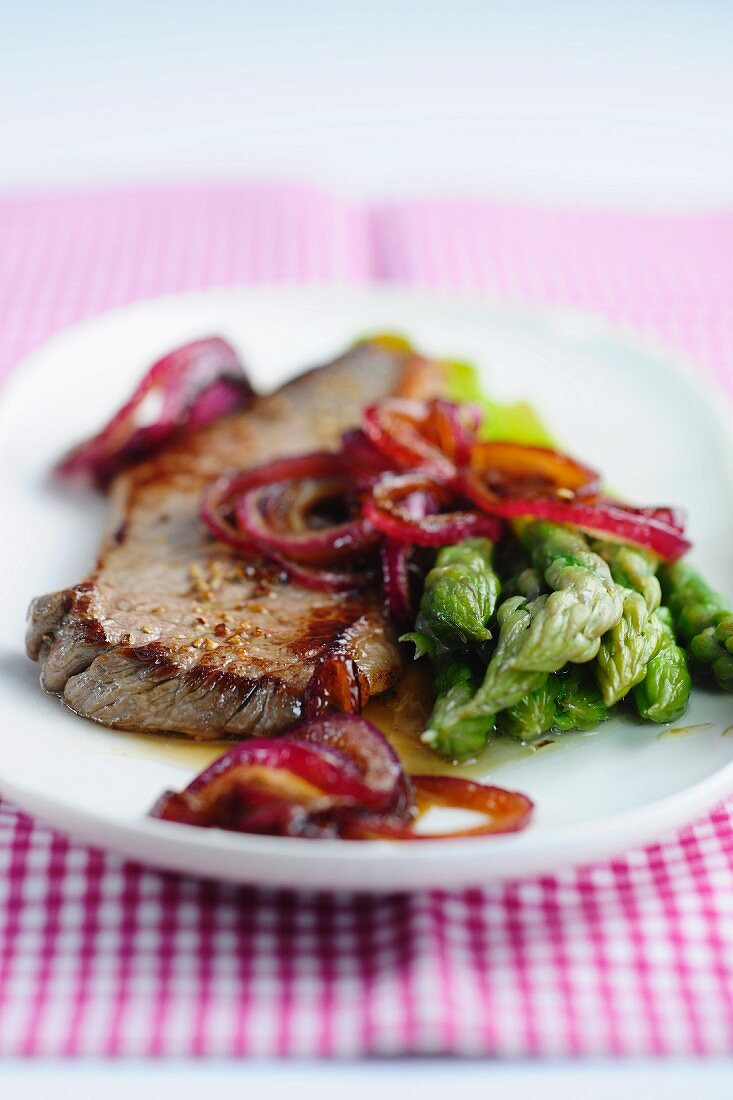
point(401, 713)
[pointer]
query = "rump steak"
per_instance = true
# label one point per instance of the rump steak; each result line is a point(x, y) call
point(174, 631)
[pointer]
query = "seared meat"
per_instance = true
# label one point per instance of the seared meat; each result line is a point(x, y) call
point(173, 630)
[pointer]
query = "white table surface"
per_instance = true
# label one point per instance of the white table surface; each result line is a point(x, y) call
point(628, 104)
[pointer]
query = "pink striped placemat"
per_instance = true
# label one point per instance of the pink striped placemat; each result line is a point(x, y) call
point(98, 957)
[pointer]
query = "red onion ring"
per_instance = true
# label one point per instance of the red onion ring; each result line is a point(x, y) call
point(369, 749)
point(521, 470)
point(505, 811)
point(455, 427)
point(311, 771)
point(342, 542)
point(397, 427)
point(337, 776)
point(387, 511)
point(220, 495)
point(363, 459)
point(655, 528)
point(186, 388)
point(395, 558)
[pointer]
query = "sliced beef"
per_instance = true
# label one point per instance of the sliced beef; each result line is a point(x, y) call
point(172, 630)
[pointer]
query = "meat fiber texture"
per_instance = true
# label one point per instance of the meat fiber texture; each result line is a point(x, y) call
point(174, 631)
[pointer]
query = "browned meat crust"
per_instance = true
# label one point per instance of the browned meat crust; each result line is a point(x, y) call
point(173, 631)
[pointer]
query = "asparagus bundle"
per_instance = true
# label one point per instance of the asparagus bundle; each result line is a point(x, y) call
point(576, 624)
point(594, 605)
point(536, 637)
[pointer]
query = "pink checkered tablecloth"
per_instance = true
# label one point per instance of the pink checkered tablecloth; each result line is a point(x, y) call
point(98, 957)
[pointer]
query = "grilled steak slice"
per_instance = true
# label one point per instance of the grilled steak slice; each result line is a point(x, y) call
point(173, 630)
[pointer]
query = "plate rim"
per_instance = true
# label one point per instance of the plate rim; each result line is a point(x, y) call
point(630, 828)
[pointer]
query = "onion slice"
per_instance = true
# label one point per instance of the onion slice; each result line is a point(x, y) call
point(395, 558)
point(219, 503)
point(186, 388)
point(505, 811)
point(334, 777)
point(658, 529)
point(392, 510)
point(311, 775)
point(334, 686)
point(521, 470)
point(276, 515)
point(422, 434)
point(363, 460)
point(370, 750)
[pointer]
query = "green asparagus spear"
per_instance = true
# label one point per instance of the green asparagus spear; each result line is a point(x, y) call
point(541, 636)
point(629, 646)
point(583, 605)
point(533, 715)
point(627, 649)
point(633, 567)
point(663, 694)
point(703, 619)
point(580, 704)
point(458, 599)
point(456, 683)
point(694, 605)
point(526, 582)
point(568, 700)
point(459, 731)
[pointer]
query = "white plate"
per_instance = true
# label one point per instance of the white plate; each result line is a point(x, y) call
point(632, 411)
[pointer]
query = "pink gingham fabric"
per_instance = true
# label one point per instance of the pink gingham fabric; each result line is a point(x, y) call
point(99, 957)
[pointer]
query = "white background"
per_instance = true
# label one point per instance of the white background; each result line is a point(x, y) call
point(629, 102)
point(624, 103)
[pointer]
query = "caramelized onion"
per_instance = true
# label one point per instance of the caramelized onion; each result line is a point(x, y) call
point(391, 509)
point(455, 427)
point(395, 559)
point(370, 750)
point(435, 435)
point(505, 811)
point(280, 517)
point(333, 777)
point(222, 501)
point(363, 460)
point(186, 388)
point(520, 470)
point(655, 528)
point(334, 686)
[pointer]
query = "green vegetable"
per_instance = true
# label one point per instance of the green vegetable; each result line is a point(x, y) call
point(461, 727)
point(517, 422)
point(527, 582)
point(540, 636)
point(533, 715)
point(663, 694)
point(633, 567)
point(455, 684)
point(581, 705)
point(702, 618)
point(584, 603)
point(627, 648)
point(568, 700)
point(458, 599)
